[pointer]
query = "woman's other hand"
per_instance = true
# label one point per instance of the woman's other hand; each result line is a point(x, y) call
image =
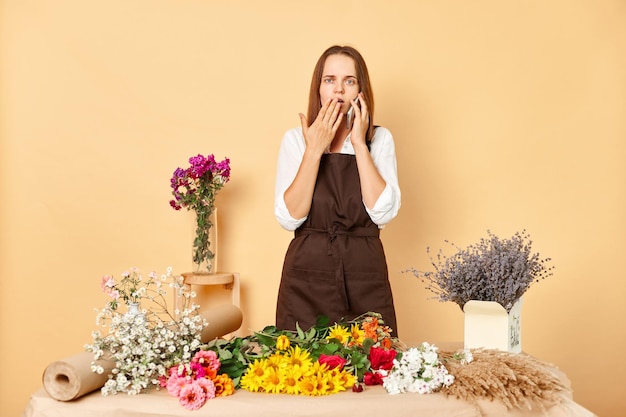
point(321, 133)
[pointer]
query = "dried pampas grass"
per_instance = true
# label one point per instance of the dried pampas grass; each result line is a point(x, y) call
point(516, 380)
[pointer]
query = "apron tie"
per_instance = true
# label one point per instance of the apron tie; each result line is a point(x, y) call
point(333, 232)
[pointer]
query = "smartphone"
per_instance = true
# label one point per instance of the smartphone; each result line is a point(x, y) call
point(350, 113)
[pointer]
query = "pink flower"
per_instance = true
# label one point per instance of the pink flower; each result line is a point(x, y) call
point(197, 370)
point(208, 359)
point(192, 396)
point(107, 284)
point(207, 386)
point(381, 358)
point(162, 381)
point(175, 384)
point(333, 361)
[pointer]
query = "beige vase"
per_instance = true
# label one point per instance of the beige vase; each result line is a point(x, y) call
point(488, 325)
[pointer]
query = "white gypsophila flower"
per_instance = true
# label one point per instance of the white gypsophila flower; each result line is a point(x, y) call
point(144, 346)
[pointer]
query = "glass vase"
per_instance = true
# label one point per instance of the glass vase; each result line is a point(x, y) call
point(204, 242)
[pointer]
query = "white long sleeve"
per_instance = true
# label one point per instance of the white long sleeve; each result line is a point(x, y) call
point(383, 154)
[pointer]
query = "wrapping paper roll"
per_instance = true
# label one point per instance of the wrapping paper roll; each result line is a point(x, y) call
point(71, 378)
point(222, 320)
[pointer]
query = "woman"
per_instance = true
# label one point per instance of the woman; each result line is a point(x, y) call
point(336, 186)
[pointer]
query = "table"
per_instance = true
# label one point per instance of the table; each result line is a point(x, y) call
point(373, 401)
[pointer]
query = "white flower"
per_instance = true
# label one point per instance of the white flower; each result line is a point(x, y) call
point(418, 370)
point(144, 346)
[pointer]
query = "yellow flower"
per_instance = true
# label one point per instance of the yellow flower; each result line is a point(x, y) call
point(299, 358)
point(346, 379)
point(321, 387)
point(283, 342)
point(249, 383)
point(307, 386)
point(334, 382)
point(253, 378)
point(276, 361)
point(319, 368)
point(357, 334)
point(340, 333)
point(292, 378)
point(273, 382)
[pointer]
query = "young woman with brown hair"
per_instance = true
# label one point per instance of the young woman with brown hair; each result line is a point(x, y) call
point(336, 187)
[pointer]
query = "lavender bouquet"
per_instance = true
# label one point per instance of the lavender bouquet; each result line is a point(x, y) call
point(494, 269)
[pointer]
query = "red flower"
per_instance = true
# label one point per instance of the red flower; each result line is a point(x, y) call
point(372, 378)
point(381, 358)
point(333, 361)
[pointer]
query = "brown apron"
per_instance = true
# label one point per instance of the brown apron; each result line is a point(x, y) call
point(335, 266)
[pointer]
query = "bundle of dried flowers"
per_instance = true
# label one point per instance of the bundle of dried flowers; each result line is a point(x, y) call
point(495, 269)
point(516, 380)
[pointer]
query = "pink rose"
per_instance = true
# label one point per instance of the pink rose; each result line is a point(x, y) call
point(333, 361)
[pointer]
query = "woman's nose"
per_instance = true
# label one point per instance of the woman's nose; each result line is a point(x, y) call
point(339, 88)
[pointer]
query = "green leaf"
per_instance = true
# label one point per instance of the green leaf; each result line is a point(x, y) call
point(367, 344)
point(300, 331)
point(331, 348)
point(266, 340)
point(322, 321)
point(225, 354)
point(270, 330)
point(311, 334)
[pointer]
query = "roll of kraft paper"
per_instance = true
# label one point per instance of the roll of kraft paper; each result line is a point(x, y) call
point(71, 378)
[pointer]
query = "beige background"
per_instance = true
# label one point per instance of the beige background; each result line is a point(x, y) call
point(506, 114)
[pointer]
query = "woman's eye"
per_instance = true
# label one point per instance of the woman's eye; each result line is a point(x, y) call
point(327, 80)
point(350, 82)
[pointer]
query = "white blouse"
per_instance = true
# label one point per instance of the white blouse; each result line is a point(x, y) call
point(383, 154)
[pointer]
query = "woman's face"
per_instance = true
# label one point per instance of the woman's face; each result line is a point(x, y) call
point(339, 80)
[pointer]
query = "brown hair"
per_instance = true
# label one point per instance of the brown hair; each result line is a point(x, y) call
point(315, 103)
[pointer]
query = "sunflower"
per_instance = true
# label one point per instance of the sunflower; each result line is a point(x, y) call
point(307, 385)
point(340, 333)
point(299, 358)
point(357, 334)
point(276, 361)
point(291, 381)
point(334, 382)
point(320, 380)
point(253, 378)
point(273, 381)
point(346, 379)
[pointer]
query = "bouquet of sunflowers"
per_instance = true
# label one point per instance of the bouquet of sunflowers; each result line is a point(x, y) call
point(322, 360)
